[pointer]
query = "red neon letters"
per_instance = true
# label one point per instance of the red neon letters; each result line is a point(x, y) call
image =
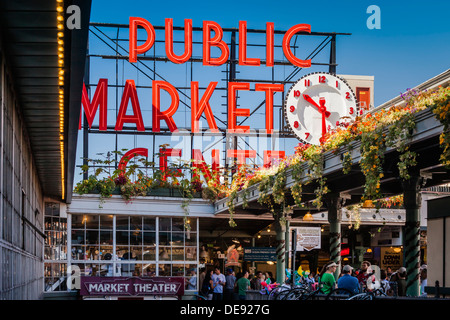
point(134, 48)
point(165, 115)
point(213, 41)
point(287, 47)
point(187, 42)
point(198, 107)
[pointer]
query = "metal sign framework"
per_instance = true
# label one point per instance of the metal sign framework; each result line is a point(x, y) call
point(154, 66)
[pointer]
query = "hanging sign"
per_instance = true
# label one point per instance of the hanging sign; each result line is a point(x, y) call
point(308, 238)
point(132, 286)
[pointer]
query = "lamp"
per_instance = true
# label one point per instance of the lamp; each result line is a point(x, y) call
point(308, 217)
point(368, 204)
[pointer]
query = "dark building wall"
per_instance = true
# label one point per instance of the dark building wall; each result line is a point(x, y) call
point(21, 200)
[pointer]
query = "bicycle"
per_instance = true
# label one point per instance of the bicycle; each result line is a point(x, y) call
point(279, 292)
point(368, 295)
point(339, 294)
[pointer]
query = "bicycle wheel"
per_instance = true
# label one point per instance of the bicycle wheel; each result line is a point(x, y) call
point(296, 294)
point(361, 296)
point(339, 294)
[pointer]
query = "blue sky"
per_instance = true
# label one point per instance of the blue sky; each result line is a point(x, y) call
point(411, 46)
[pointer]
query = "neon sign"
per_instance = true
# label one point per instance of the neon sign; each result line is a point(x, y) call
point(129, 111)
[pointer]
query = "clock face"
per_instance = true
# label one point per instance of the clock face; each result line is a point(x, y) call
point(318, 103)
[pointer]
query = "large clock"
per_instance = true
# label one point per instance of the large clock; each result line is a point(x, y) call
point(317, 103)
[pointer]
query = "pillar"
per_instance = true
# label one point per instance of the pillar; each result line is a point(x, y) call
point(334, 206)
point(281, 228)
point(412, 200)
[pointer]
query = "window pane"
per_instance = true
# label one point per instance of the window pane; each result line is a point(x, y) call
point(121, 251)
point(106, 252)
point(122, 223)
point(164, 224)
point(164, 238)
point(149, 253)
point(92, 252)
point(122, 237)
point(136, 252)
point(136, 238)
point(165, 253)
point(149, 224)
point(191, 253)
point(149, 270)
point(165, 270)
point(77, 221)
point(127, 269)
point(92, 237)
point(190, 239)
point(193, 224)
point(106, 237)
point(106, 222)
point(177, 224)
point(135, 223)
point(149, 238)
point(78, 252)
point(178, 270)
point(77, 236)
point(92, 222)
point(178, 254)
point(177, 239)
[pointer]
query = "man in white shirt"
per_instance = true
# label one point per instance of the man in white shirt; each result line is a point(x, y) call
point(218, 284)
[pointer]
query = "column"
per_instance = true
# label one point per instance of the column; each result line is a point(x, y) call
point(334, 206)
point(411, 200)
point(281, 229)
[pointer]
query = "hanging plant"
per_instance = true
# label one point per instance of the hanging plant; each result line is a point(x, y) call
point(399, 137)
point(354, 216)
point(347, 162)
point(315, 165)
point(441, 108)
point(296, 188)
point(372, 155)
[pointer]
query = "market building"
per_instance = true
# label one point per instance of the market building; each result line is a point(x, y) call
point(41, 75)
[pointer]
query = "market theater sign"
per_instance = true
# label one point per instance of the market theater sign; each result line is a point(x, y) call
point(200, 105)
point(132, 286)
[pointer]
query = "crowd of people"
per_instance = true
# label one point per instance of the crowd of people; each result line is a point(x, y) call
point(392, 283)
point(214, 285)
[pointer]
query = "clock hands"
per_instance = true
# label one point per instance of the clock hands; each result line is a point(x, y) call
point(322, 109)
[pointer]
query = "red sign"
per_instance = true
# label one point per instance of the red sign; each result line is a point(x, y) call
point(132, 286)
point(212, 33)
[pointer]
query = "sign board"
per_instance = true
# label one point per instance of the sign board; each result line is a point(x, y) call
point(391, 257)
point(132, 286)
point(260, 254)
point(308, 238)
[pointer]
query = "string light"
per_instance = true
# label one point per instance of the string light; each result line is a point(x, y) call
point(60, 41)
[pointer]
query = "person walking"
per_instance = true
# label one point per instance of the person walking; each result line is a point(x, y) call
point(219, 282)
point(423, 280)
point(347, 281)
point(365, 276)
point(206, 288)
point(243, 284)
point(256, 281)
point(327, 282)
point(230, 280)
point(401, 282)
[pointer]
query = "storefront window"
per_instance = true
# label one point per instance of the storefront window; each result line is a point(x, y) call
point(55, 250)
point(144, 246)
